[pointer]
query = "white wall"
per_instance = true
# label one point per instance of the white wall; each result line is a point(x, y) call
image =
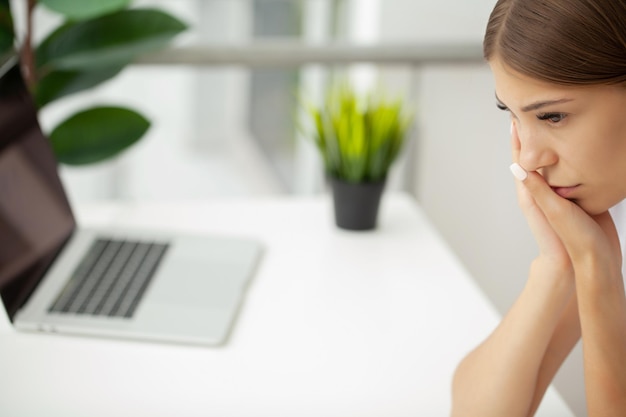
point(461, 174)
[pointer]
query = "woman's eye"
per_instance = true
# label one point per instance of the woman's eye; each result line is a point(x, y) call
point(552, 117)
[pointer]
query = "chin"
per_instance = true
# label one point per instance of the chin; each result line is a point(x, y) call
point(593, 208)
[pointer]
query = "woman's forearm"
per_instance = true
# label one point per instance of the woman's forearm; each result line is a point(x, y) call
point(565, 336)
point(602, 309)
point(499, 377)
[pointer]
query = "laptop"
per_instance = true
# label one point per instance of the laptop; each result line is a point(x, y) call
point(56, 277)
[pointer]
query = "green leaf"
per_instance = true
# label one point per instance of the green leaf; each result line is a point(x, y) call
point(107, 40)
point(57, 84)
point(96, 134)
point(7, 35)
point(84, 9)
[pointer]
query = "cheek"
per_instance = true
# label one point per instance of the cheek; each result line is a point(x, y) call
point(613, 131)
point(601, 165)
point(610, 155)
point(600, 152)
point(603, 169)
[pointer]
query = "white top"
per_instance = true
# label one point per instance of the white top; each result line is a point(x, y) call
point(334, 323)
point(618, 213)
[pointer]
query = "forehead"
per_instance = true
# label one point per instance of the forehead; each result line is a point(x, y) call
point(517, 90)
point(514, 88)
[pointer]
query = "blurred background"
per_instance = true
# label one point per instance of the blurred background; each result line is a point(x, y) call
point(228, 129)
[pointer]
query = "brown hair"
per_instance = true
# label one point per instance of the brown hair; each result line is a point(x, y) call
point(571, 42)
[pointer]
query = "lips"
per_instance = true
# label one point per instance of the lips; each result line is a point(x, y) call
point(565, 192)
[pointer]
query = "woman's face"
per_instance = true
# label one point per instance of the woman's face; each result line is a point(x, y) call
point(575, 137)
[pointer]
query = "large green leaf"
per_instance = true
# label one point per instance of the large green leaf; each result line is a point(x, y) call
point(7, 35)
point(96, 134)
point(84, 9)
point(107, 40)
point(57, 84)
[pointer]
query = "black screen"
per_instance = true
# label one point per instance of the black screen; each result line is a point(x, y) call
point(35, 216)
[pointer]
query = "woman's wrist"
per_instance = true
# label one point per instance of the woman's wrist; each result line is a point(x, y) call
point(558, 268)
point(599, 278)
point(553, 276)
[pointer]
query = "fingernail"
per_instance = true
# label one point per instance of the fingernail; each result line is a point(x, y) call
point(518, 172)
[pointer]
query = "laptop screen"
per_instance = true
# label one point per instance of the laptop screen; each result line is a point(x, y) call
point(35, 216)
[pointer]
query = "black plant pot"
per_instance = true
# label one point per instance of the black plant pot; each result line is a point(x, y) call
point(356, 204)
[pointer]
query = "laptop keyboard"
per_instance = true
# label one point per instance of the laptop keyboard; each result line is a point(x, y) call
point(111, 279)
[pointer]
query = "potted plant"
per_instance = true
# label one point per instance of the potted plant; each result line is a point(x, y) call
point(359, 136)
point(95, 42)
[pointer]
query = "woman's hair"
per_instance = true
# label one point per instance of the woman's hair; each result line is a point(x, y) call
point(570, 42)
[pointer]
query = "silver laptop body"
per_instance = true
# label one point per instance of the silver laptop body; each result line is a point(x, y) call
point(59, 278)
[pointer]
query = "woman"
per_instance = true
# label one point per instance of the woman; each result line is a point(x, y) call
point(560, 71)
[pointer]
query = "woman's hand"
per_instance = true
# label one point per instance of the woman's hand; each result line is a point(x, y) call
point(561, 225)
point(551, 249)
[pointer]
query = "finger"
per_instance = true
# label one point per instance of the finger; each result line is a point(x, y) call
point(574, 227)
point(515, 143)
point(548, 201)
point(524, 199)
point(552, 205)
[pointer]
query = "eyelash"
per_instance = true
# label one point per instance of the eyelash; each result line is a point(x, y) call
point(542, 116)
point(551, 116)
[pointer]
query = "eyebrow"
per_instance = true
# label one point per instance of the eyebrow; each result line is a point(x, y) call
point(535, 106)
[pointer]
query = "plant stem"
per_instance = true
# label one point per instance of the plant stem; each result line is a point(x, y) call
point(27, 55)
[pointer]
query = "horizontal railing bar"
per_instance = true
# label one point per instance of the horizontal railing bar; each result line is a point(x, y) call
point(293, 54)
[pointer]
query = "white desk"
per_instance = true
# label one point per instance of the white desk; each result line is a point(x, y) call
point(335, 323)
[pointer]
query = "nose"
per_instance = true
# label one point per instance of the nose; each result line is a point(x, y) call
point(535, 150)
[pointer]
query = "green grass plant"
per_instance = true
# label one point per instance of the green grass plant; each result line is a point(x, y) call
point(359, 136)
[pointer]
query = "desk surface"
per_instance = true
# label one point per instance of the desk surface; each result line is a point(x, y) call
point(334, 323)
